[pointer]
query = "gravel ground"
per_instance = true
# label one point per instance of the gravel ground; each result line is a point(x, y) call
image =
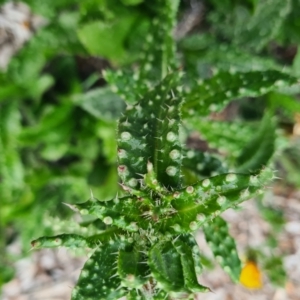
point(17, 25)
point(51, 274)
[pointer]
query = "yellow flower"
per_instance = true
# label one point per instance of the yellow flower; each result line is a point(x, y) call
point(251, 276)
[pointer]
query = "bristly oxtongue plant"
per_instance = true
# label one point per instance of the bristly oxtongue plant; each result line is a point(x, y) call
point(147, 248)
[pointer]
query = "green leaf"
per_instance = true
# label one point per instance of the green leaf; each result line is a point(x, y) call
point(275, 217)
point(165, 264)
point(10, 90)
point(11, 166)
point(203, 164)
point(150, 180)
point(126, 85)
point(136, 295)
point(105, 131)
point(47, 129)
point(147, 294)
point(97, 279)
point(188, 267)
point(223, 247)
point(149, 131)
point(222, 56)
point(290, 103)
point(158, 57)
point(132, 2)
point(197, 42)
point(71, 241)
point(121, 212)
point(202, 202)
point(264, 25)
point(132, 267)
point(274, 268)
point(54, 151)
point(101, 103)
point(193, 246)
point(172, 265)
point(258, 151)
point(39, 86)
point(213, 94)
point(107, 39)
point(226, 137)
point(159, 54)
point(296, 63)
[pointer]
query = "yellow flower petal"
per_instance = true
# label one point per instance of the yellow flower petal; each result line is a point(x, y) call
point(251, 276)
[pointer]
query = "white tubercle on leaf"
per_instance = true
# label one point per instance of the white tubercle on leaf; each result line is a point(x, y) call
point(108, 220)
point(205, 182)
point(171, 136)
point(171, 171)
point(230, 177)
point(125, 136)
point(189, 189)
point(174, 154)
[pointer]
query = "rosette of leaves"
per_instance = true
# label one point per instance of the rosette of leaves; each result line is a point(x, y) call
point(147, 250)
point(146, 247)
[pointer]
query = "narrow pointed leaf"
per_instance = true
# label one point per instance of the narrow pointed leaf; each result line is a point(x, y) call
point(205, 200)
point(159, 50)
point(226, 137)
point(71, 241)
point(126, 85)
point(123, 212)
point(223, 247)
point(149, 131)
point(288, 103)
point(222, 56)
point(214, 93)
point(264, 25)
point(165, 264)
point(100, 103)
point(147, 294)
point(132, 267)
point(157, 58)
point(257, 152)
point(172, 265)
point(274, 268)
point(188, 268)
point(11, 167)
point(191, 242)
point(97, 279)
point(202, 163)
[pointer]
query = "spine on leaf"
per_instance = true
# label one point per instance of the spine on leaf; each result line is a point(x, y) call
point(213, 94)
point(149, 132)
point(173, 267)
point(158, 57)
point(205, 200)
point(98, 278)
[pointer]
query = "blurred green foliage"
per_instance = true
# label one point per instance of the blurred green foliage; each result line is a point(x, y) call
point(58, 119)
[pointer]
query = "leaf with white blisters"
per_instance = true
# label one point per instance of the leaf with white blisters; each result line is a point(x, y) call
point(223, 247)
point(149, 131)
point(97, 278)
point(211, 95)
point(202, 202)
